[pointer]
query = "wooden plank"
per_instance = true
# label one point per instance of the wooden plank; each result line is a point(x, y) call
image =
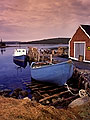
point(52, 91)
point(38, 93)
point(52, 96)
point(64, 100)
point(35, 89)
point(36, 85)
point(41, 88)
point(70, 98)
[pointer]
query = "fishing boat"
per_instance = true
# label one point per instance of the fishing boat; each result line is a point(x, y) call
point(52, 73)
point(20, 57)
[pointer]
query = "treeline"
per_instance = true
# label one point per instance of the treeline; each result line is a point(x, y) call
point(49, 41)
point(52, 41)
point(45, 41)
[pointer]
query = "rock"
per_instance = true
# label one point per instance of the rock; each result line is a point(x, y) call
point(18, 90)
point(54, 100)
point(5, 92)
point(24, 93)
point(79, 101)
point(26, 98)
point(16, 93)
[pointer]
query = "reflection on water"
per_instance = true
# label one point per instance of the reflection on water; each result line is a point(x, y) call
point(2, 50)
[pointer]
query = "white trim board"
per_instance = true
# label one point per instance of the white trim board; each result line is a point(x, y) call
point(79, 42)
point(76, 31)
point(86, 61)
point(77, 59)
point(69, 48)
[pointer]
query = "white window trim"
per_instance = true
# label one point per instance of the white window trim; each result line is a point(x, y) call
point(84, 48)
point(86, 61)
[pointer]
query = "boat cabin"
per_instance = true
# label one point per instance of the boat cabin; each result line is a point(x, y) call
point(19, 52)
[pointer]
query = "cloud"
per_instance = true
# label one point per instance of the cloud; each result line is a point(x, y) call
point(29, 19)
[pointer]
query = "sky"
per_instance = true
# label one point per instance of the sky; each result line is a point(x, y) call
point(27, 20)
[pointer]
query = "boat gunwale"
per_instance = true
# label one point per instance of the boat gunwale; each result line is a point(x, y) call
point(18, 60)
point(18, 55)
point(69, 62)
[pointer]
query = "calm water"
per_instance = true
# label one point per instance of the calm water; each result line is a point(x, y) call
point(11, 76)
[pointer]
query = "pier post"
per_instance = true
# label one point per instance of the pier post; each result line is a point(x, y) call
point(50, 58)
point(38, 57)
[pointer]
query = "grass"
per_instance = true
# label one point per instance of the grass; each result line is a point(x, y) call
point(13, 109)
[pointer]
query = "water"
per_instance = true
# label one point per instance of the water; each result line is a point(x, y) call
point(11, 76)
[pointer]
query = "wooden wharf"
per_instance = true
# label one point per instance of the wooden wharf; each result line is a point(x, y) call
point(58, 96)
point(49, 94)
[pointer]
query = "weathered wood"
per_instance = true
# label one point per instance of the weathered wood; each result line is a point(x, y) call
point(45, 95)
point(52, 96)
point(36, 85)
point(51, 90)
point(50, 58)
point(58, 96)
point(41, 88)
point(73, 89)
point(63, 101)
point(38, 93)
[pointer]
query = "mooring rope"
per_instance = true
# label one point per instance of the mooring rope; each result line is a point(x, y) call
point(82, 92)
point(70, 90)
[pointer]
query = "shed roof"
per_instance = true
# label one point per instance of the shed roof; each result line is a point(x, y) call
point(86, 28)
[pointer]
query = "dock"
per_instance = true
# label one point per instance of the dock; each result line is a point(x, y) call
point(50, 94)
point(58, 96)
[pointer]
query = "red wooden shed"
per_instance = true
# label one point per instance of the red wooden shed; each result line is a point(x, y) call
point(79, 44)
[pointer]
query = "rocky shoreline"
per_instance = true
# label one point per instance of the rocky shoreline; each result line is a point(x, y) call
point(15, 105)
point(80, 80)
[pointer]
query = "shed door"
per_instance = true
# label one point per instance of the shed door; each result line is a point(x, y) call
point(79, 49)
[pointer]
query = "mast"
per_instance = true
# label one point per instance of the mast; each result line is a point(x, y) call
point(1, 40)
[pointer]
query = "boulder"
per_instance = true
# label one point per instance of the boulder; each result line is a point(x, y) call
point(16, 93)
point(5, 92)
point(79, 101)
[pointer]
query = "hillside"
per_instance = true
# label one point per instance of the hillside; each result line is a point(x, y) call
point(45, 41)
point(52, 41)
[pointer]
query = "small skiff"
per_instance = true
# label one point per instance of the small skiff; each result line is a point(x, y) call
point(19, 57)
point(55, 73)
